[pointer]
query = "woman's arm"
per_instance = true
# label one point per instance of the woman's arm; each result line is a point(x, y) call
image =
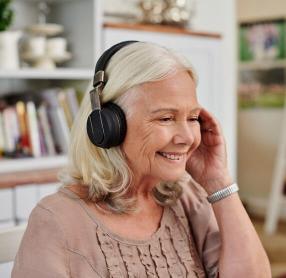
point(242, 254)
point(42, 252)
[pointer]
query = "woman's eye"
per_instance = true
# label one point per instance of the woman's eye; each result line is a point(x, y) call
point(194, 119)
point(166, 119)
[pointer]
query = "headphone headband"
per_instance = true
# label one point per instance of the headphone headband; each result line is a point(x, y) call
point(104, 59)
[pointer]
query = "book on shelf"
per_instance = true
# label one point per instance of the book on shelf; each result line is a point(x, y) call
point(58, 120)
point(11, 135)
point(35, 125)
point(43, 146)
point(2, 139)
point(24, 140)
point(46, 129)
point(72, 101)
point(33, 128)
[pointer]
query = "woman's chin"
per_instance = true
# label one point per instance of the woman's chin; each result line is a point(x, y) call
point(174, 177)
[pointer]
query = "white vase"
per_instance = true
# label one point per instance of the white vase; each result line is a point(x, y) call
point(9, 51)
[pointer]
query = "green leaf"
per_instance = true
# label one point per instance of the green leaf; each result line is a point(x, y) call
point(6, 14)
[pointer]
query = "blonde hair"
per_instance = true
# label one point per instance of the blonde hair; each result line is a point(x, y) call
point(105, 171)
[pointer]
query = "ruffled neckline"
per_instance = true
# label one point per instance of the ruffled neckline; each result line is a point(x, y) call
point(111, 234)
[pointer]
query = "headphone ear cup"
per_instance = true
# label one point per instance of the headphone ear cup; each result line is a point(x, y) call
point(94, 127)
point(115, 126)
point(107, 127)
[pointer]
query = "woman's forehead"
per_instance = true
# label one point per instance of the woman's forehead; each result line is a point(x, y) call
point(156, 97)
point(157, 103)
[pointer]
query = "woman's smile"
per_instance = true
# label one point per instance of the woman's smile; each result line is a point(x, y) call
point(173, 156)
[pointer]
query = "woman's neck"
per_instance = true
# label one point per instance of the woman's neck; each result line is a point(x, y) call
point(142, 187)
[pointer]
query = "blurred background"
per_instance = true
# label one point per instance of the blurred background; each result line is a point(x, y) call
point(48, 50)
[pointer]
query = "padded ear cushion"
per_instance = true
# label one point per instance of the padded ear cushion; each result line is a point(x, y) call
point(107, 128)
point(94, 127)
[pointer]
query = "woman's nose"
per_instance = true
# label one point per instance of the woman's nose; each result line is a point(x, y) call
point(184, 134)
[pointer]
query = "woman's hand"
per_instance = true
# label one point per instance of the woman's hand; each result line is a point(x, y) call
point(208, 163)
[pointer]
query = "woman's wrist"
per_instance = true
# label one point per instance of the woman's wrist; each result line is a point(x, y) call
point(214, 185)
point(222, 193)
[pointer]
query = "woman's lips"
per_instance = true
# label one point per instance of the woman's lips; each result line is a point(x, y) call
point(172, 155)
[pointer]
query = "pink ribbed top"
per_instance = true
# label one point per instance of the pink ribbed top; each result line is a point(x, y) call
point(64, 238)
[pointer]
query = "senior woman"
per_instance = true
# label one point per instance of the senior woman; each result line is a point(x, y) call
point(147, 191)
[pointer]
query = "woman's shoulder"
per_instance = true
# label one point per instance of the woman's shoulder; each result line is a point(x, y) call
point(58, 201)
point(67, 215)
point(63, 205)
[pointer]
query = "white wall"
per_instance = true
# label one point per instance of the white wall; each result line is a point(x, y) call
point(118, 6)
point(213, 16)
point(258, 138)
point(220, 16)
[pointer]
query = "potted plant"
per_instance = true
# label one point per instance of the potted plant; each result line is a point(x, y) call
point(6, 15)
point(9, 56)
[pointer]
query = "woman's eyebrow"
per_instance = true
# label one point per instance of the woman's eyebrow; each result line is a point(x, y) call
point(171, 109)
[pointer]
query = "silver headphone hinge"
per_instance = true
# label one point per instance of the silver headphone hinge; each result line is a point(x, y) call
point(95, 97)
point(99, 77)
point(98, 84)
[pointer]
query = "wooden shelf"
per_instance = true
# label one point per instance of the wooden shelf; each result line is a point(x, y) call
point(161, 28)
point(28, 177)
point(31, 164)
point(263, 65)
point(59, 73)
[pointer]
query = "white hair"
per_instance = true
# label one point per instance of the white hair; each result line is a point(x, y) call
point(105, 171)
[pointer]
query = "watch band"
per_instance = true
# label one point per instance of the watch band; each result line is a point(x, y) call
point(223, 193)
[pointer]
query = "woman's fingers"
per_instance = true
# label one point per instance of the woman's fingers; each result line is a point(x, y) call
point(209, 123)
point(211, 131)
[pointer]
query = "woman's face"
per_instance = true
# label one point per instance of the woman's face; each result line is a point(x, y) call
point(162, 128)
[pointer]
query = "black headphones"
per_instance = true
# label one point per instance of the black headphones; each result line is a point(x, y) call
point(106, 124)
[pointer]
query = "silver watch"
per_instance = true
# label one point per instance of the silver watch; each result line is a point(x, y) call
point(223, 193)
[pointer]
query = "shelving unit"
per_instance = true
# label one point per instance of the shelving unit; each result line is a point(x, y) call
point(40, 177)
point(262, 165)
point(84, 44)
point(81, 21)
point(263, 65)
point(26, 164)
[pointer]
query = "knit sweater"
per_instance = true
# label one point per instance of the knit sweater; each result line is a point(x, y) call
point(64, 238)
